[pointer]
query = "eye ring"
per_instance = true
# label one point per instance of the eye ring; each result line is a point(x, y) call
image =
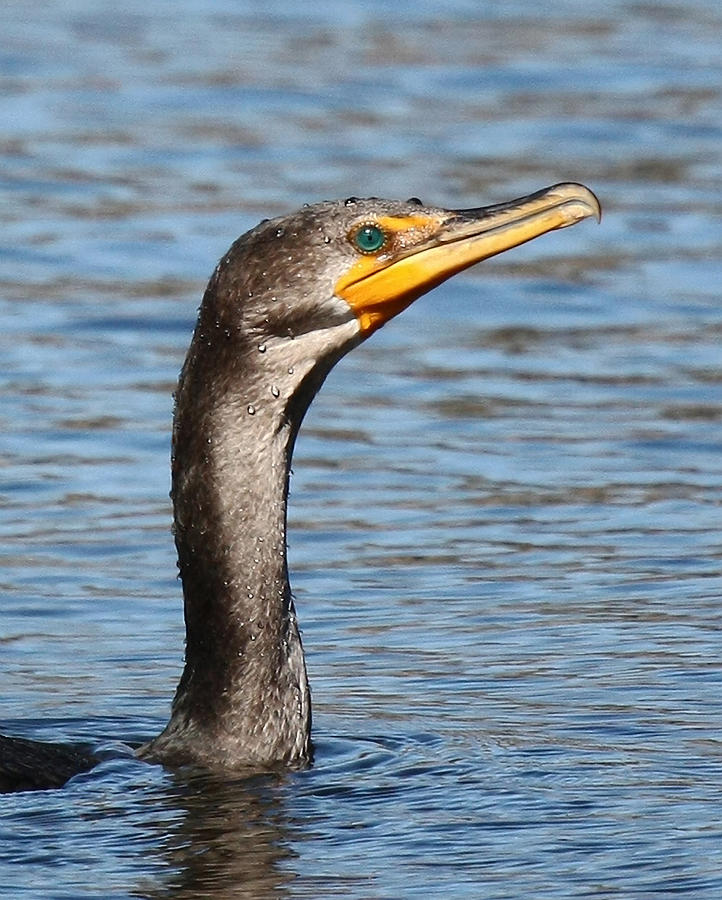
point(369, 238)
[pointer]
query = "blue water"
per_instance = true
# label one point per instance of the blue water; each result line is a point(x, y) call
point(505, 519)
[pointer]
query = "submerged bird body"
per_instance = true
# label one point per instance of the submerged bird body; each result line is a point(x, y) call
point(286, 302)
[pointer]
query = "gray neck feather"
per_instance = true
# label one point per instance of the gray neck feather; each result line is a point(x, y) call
point(243, 696)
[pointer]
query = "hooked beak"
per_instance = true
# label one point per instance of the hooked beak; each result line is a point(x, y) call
point(434, 246)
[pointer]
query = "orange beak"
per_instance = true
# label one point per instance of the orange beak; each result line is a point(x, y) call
point(428, 248)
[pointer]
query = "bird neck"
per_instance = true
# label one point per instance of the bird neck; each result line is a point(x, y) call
point(243, 698)
point(244, 691)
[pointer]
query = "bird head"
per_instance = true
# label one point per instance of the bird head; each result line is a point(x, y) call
point(352, 265)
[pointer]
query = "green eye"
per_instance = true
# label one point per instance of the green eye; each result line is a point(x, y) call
point(369, 238)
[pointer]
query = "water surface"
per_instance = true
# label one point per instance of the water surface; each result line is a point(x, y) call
point(505, 519)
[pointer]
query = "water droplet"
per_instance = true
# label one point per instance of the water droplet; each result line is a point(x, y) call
point(327, 239)
point(350, 201)
point(415, 201)
point(290, 370)
point(275, 391)
point(261, 348)
point(251, 409)
point(250, 293)
point(280, 232)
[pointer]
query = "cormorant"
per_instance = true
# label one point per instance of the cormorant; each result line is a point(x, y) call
point(286, 302)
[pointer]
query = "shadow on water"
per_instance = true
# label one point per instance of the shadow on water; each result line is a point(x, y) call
point(240, 836)
point(230, 839)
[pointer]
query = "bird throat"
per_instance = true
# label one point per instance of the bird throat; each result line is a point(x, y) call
point(244, 691)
